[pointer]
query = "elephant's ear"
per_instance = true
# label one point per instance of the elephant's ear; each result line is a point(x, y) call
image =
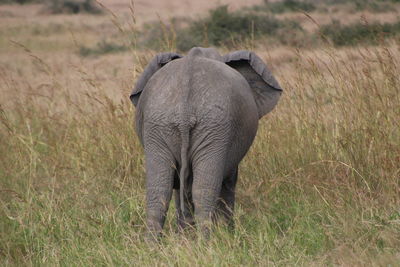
point(266, 89)
point(155, 64)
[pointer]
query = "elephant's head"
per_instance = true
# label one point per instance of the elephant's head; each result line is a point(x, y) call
point(265, 88)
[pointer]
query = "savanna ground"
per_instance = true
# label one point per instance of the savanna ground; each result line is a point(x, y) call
point(320, 185)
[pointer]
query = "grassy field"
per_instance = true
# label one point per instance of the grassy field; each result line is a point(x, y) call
point(320, 185)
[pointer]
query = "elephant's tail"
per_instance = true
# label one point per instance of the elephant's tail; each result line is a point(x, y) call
point(184, 172)
point(187, 123)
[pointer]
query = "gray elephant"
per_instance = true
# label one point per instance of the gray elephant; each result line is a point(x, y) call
point(196, 117)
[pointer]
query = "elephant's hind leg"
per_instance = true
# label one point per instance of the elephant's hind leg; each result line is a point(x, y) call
point(159, 183)
point(226, 202)
point(207, 181)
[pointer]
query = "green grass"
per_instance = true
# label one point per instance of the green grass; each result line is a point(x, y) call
point(223, 28)
point(72, 7)
point(286, 6)
point(320, 185)
point(359, 33)
point(220, 28)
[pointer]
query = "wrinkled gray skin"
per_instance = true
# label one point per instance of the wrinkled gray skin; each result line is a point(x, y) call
point(196, 117)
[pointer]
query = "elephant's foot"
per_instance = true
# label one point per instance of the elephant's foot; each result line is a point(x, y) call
point(224, 216)
point(205, 228)
point(205, 223)
point(152, 237)
point(155, 222)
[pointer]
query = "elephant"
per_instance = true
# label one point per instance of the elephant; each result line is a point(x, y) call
point(196, 117)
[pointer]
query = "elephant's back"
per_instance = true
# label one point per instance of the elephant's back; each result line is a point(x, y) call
point(199, 86)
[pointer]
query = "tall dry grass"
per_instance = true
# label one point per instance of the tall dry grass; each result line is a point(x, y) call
point(320, 185)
